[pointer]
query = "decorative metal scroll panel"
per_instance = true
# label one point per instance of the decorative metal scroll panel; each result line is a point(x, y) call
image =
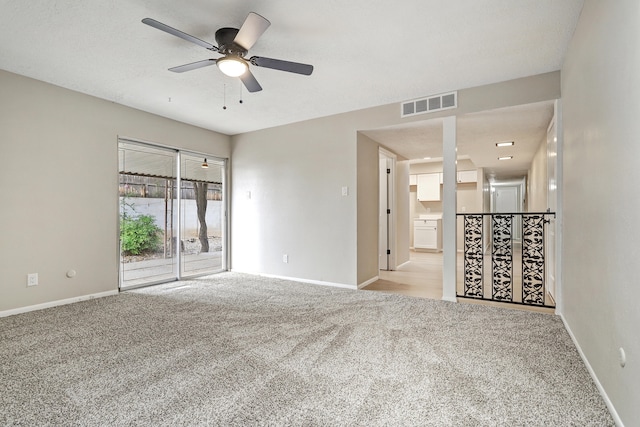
point(533, 271)
point(502, 258)
point(473, 258)
point(508, 253)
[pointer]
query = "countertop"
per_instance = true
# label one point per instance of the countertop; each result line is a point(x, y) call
point(433, 216)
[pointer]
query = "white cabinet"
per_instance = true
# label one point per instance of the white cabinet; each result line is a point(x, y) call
point(427, 234)
point(461, 176)
point(468, 176)
point(428, 187)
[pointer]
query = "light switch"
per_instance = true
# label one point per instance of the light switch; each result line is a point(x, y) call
point(345, 191)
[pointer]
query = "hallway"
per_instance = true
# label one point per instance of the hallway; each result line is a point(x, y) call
point(421, 277)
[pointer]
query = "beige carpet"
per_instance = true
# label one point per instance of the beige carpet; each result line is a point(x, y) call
point(239, 350)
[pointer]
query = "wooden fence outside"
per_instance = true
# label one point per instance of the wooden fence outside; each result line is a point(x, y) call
point(152, 187)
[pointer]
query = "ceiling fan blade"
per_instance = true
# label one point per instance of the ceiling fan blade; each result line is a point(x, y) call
point(250, 82)
point(192, 66)
point(251, 30)
point(278, 64)
point(167, 29)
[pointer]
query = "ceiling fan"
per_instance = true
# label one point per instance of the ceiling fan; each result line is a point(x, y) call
point(234, 44)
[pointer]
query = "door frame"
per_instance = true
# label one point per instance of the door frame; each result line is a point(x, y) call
point(553, 191)
point(387, 203)
point(178, 262)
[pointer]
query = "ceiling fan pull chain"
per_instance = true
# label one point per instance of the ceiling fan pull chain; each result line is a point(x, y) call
point(240, 94)
point(224, 96)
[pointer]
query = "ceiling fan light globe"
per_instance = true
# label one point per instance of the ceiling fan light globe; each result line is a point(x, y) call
point(232, 66)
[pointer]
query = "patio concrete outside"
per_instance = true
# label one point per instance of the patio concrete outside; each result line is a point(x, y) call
point(138, 273)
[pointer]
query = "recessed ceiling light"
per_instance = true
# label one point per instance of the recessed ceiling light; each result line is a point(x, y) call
point(505, 158)
point(504, 144)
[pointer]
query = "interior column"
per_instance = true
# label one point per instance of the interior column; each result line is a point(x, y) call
point(449, 209)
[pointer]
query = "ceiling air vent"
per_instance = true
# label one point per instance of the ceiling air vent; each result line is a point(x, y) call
point(431, 104)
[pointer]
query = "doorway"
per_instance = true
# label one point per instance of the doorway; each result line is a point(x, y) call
point(172, 214)
point(507, 196)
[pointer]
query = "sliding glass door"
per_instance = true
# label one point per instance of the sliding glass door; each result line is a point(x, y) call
point(166, 234)
point(202, 215)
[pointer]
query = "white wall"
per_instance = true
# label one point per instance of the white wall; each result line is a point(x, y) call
point(404, 225)
point(368, 209)
point(601, 291)
point(59, 183)
point(295, 174)
point(61, 144)
point(537, 182)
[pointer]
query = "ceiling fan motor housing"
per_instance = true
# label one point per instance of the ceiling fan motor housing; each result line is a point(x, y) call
point(226, 45)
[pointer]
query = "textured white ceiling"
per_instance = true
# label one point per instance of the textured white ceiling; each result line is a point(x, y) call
point(365, 53)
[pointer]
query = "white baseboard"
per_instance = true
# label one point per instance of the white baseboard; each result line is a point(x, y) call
point(603, 393)
point(368, 282)
point(450, 299)
point(56, 303)
point(403, 264)
point(296, 279)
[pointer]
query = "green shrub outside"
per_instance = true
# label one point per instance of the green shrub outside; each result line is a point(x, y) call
point(139, 234)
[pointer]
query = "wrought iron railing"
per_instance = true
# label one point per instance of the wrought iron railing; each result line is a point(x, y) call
point(499, 246)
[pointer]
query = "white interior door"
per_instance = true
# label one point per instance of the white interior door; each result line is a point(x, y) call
point(383, 217)
point(506, 199)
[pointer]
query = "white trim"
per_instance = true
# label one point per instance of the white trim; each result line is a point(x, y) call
point(603, 393)
point(295, 279)
point(154, 144)
point(559, 205)
point(57, 303)
point(392, 227)
point(178, 230)
point(368, 282)
point(390, 159)
point(387, 153)
point(450, 299)
point(404, 263)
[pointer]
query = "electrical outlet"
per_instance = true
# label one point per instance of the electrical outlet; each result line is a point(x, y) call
point(285, 258)
point(32, 279)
